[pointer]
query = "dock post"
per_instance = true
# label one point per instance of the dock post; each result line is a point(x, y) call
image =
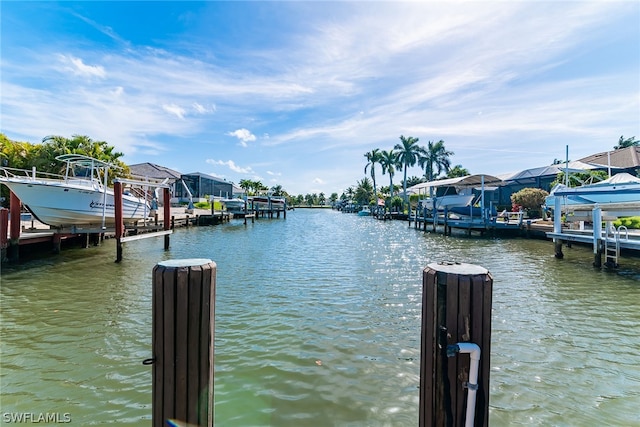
point(597, 236)
point(14, 231)
point(446, 221)
point(117, 201)
point(57, 243)
point(183, 318)
point(4, 230)
point(167, 225)
point(456, 313)
point(557, 227)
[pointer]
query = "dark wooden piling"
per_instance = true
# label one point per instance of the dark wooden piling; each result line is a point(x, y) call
point(456, 308)
point(4, 229)
point(15, 205)
point(166, 214)
point(117, 201)
point(183, 298)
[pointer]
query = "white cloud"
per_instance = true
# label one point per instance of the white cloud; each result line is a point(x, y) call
point(318, 181)
point(79, 68)
point(231, 165)
point(175, 110)
point(243, 136)
point(201, 109)
point(274, 173)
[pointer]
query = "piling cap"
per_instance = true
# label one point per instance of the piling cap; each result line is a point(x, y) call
point(188, 262)
point(457, 268)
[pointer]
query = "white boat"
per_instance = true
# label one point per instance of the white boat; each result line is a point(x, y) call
point(80, 197)
point(234, 205)
point(267, 202)
point(448, 197)
point(620, 188)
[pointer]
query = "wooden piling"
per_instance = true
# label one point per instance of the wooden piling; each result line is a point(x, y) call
point(4, 229)
point(13, 251)
point(56, 240)
point(166, 214)
point(597, 236)
point(183, 298)
point(117, 200)
point(456, 308)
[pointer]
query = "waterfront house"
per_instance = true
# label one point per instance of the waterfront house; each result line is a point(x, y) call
point(201, 185)
point(155, 173)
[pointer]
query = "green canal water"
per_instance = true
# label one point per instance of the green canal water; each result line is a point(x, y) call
point(318, 324)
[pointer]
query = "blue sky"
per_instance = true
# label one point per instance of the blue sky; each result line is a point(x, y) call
point(294, 93)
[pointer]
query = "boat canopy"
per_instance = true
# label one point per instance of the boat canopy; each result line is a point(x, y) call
point(86, 161)
point(619, 178)
point(463, 181)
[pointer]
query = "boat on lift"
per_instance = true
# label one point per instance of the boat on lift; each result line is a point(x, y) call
point(620, 188)
point(80, 197)
point(234, 205)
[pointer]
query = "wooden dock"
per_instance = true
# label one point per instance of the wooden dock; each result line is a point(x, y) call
point(447, 222)
point(33, 236)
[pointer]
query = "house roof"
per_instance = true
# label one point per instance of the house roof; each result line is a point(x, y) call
point(151, 170)
point(548, 171)
point(625, 158)
point(464, 181)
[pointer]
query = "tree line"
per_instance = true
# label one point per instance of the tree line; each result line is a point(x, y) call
point(434, 159)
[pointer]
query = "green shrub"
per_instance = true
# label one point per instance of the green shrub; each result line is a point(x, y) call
point(397, 202)
point(530, 199)
point(631, 222)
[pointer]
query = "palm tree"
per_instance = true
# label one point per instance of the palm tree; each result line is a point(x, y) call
point(389, 161)
point(408, 154)
point(373, 157)
point(364, 191)
point(349, 192)
point(624, 143)
point(435, 158)
point(457, 171)
point(246, 185)
point(276, 190)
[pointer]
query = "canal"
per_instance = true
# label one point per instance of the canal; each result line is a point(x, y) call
point(318, 324)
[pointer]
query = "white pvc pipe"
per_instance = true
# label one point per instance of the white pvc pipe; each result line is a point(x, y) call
point(474, 353)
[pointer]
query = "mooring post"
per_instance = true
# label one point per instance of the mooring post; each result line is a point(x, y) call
point(597, 236)
point(183, 318)
point(117, 201)
point(557, 227)
point(56, 240)
point(4, 230)
point(166, 209)
point(14, 231)
point(456, 313)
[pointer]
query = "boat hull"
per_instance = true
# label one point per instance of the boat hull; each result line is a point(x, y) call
point(234, 205)
point(449, 201)
point(62, 205)
point(261, 203)
point(597, 193)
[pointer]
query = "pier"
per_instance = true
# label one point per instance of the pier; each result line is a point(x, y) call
point(446, 221)
point(31, 235)
point(607, 241)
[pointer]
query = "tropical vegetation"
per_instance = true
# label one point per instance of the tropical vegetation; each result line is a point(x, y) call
point(42, 156)
point(531, 199)
point(434, 159)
